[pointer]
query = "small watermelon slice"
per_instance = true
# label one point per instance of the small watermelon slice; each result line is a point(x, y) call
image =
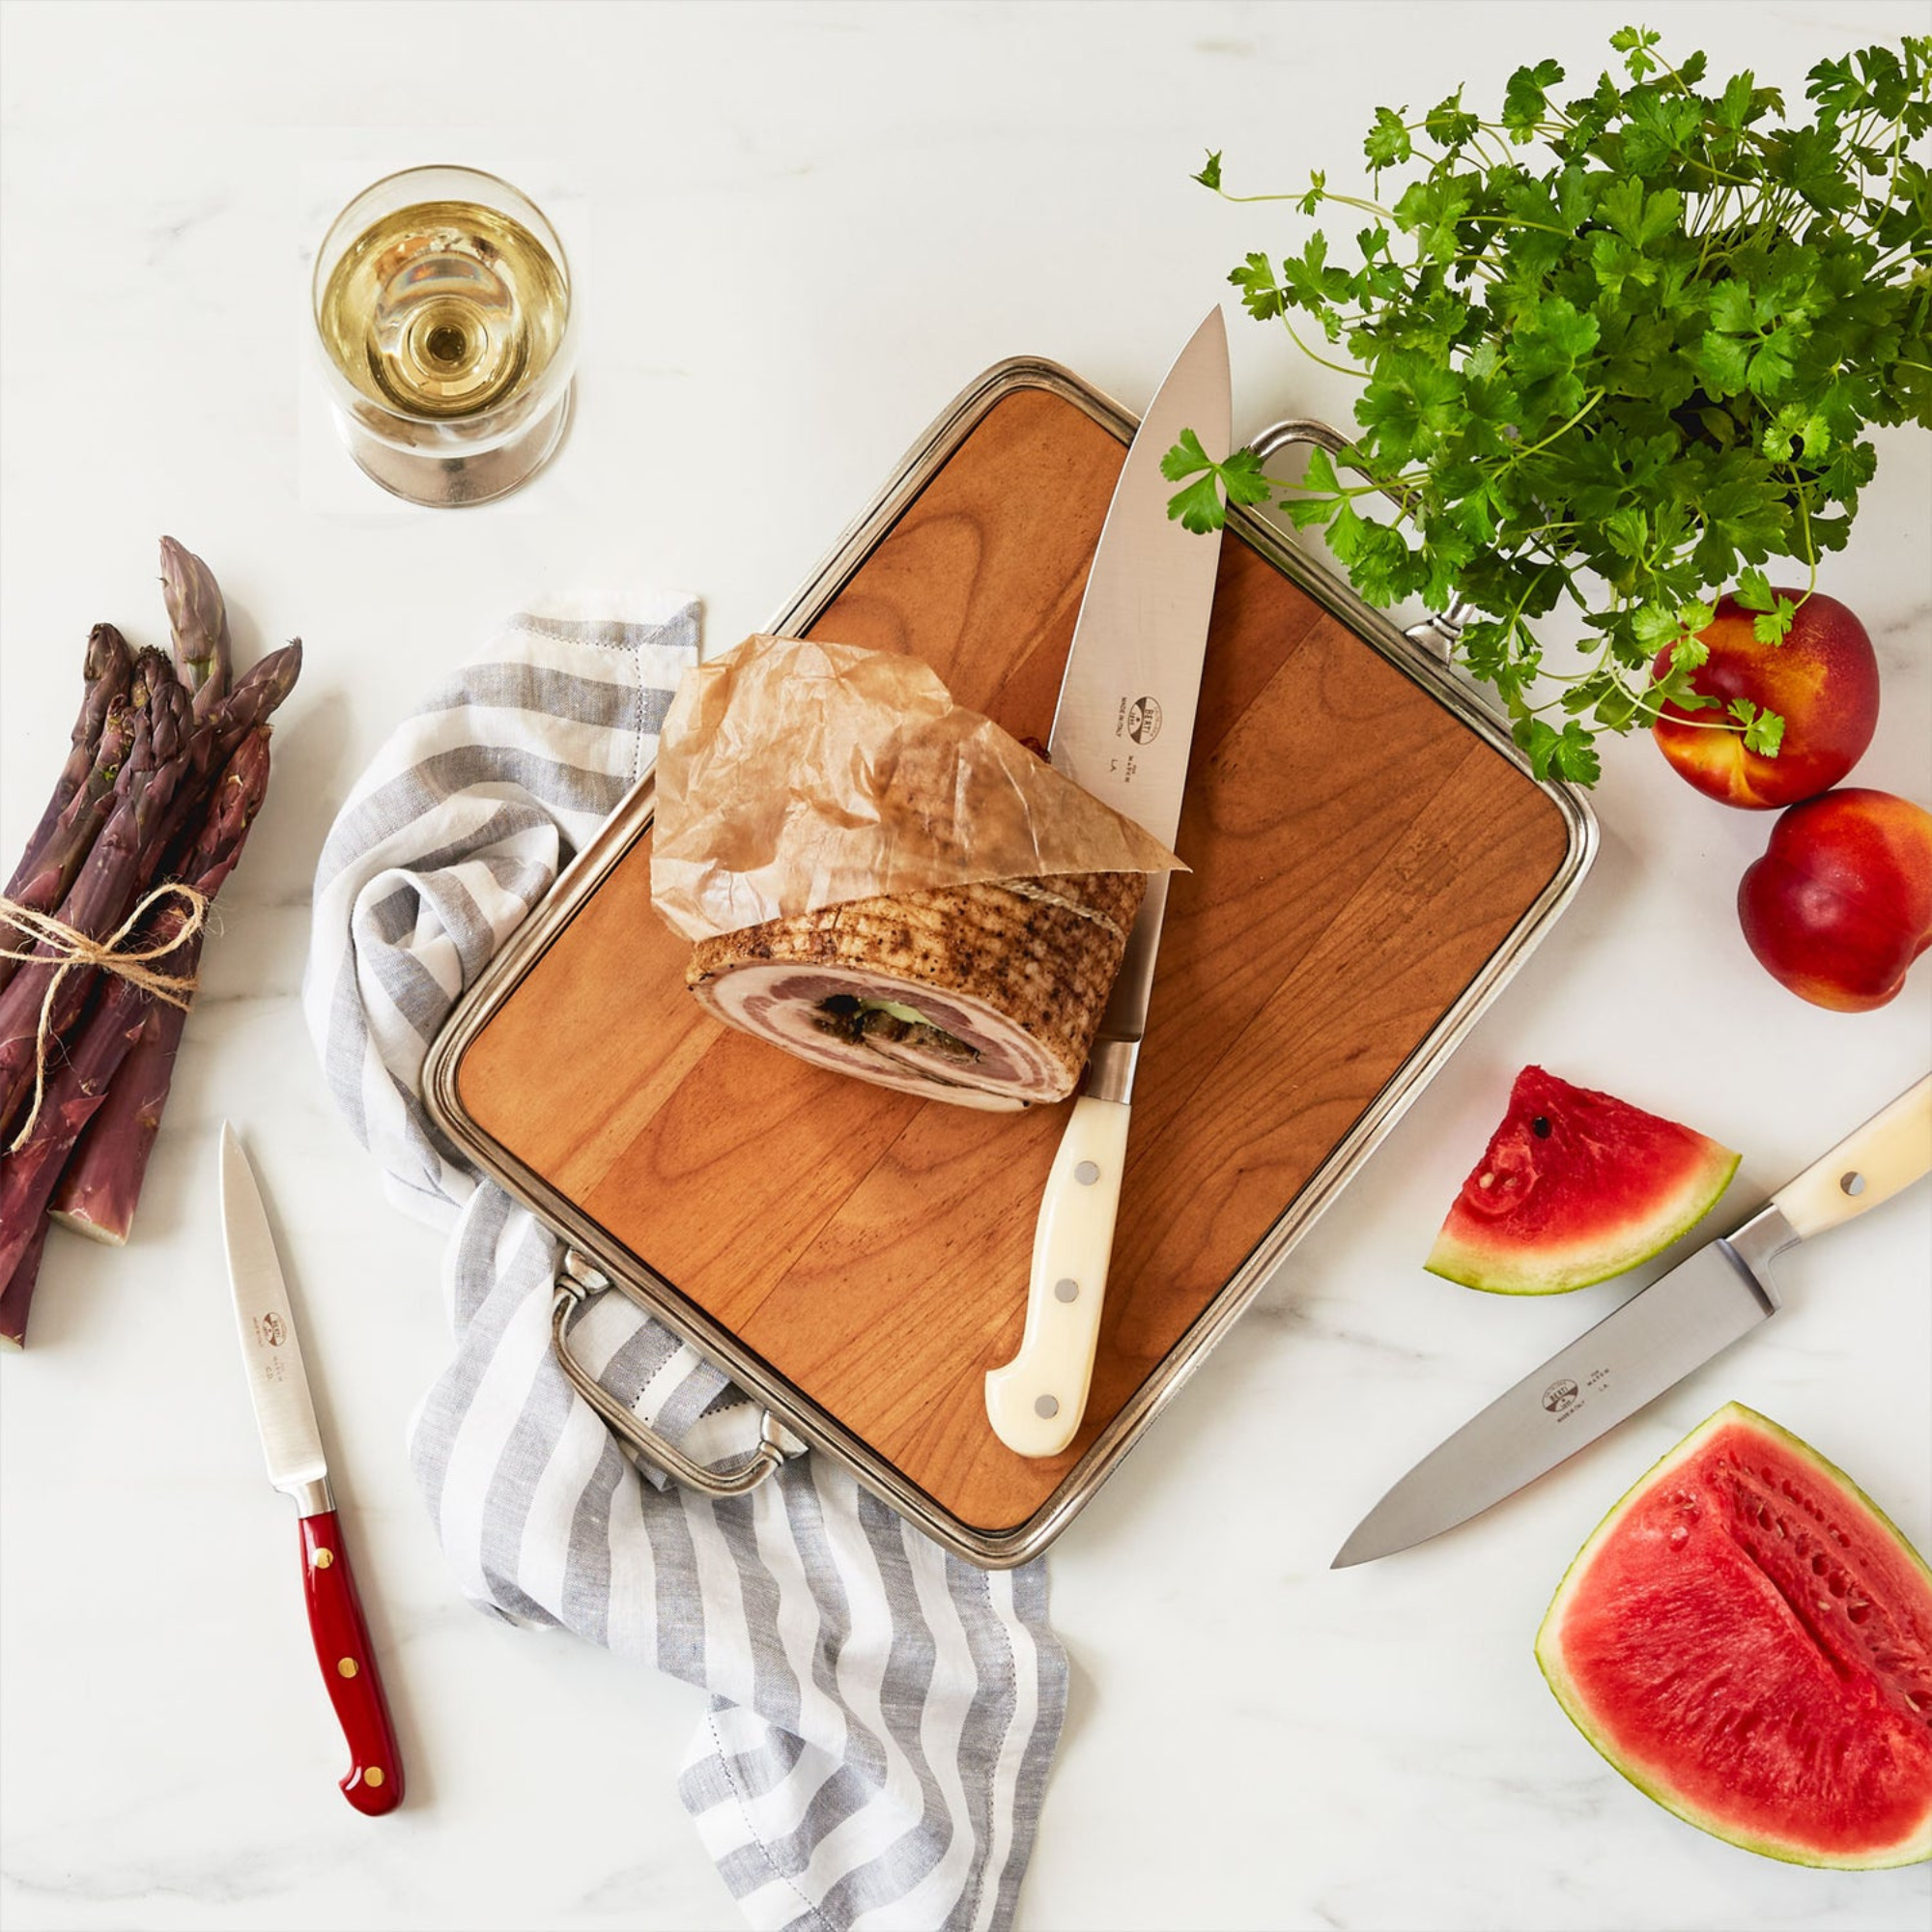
point(1749, 1640)
point(1574, 1188)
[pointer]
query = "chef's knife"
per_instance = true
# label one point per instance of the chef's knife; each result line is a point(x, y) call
point(1652, 1342)
point(1122, 730)
point(272, 1355)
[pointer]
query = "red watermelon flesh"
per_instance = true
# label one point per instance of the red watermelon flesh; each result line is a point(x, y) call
point(1574, 1188)
point(1749, 1640)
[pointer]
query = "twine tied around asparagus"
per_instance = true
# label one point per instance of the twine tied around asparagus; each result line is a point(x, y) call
point(119, 954)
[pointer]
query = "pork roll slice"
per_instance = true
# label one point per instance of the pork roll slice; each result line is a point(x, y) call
point(983, 995)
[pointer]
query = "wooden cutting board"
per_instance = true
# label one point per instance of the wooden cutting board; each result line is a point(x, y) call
point(1358, 852)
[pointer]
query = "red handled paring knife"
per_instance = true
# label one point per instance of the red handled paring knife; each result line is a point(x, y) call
point(285, 1415)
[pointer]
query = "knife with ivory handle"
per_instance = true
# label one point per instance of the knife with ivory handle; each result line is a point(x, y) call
point(292, 1443)
point(1651, 1343)
point(1122, 730)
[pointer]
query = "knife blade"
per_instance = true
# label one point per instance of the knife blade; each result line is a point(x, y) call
point(1656, 1338)
point(1122, 730)
point(291, 1444)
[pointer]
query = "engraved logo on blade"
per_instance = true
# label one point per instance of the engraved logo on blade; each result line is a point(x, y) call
point(270, 1331)
point(1143, 721)
point(1561, 1397)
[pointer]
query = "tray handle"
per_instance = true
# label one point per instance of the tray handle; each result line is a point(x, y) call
point(1436, 634)
point(575, 1286)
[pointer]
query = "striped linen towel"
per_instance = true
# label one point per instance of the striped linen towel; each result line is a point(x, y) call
point(882, 1715)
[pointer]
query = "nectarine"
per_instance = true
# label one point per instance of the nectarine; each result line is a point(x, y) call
point(1841, 905)
point(1821, 680)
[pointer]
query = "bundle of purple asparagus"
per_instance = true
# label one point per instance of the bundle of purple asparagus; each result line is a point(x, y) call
point(103, 918)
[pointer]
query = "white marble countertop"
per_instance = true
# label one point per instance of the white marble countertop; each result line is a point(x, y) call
point(800, 230)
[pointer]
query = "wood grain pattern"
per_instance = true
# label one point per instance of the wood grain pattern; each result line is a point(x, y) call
point(1358, 855)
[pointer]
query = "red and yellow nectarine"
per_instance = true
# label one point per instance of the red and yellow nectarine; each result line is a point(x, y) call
point(1841, 905)
point(1821, 680)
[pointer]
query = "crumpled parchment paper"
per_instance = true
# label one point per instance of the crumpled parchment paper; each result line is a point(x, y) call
point(793, 775)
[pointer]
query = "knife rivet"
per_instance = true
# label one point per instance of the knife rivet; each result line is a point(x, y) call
point(346, 1668)
point(1067, 1290)
point(1047, 1405)
point(1853, 1182)
point(1086, 1174)
point(323, 1558)
point(373, 1776)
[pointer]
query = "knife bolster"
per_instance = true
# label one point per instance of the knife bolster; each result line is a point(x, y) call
point(1766, 1234)
point(1110, 1070)
point(313, 1498)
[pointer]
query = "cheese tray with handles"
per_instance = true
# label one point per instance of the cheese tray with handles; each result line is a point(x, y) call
point(1369, 861)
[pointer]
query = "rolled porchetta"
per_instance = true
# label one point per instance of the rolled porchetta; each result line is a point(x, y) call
point(883, 883)
point(986, 995)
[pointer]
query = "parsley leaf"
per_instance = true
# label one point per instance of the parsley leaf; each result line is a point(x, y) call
point(1526, 97)
point(1764, 730)
point(1199, 507)
point(1262, 296)
point(1388, 140)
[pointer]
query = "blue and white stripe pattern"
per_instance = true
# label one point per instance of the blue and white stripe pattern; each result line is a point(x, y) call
point(882, 1715)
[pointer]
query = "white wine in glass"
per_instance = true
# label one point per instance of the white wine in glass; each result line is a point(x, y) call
point(442, 301)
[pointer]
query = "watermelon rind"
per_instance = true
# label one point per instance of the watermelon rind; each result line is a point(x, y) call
point(1915, 1849)
point(1547, 1275)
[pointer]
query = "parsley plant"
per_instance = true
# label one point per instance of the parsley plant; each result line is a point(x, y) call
point(1620, 350)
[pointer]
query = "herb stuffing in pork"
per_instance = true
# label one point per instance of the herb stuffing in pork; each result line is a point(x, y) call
point(984, 995)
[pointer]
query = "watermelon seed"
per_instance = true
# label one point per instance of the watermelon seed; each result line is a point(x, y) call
point(1540, 1127)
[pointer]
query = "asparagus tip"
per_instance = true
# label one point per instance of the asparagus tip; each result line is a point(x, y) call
point(196, 614)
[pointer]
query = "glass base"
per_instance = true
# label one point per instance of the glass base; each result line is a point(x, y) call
point(454, 482)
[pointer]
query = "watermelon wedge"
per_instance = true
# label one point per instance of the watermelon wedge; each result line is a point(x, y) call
point(1748, 1641)
point(1574, 1188)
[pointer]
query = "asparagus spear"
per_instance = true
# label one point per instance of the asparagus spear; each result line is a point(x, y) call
point(100, 1185)
point(44, 885)
point(199, 621)
point(102, 894)
point(104, 1040)
point(67, 841)
point(108, 670)
point(27, 1176)
point(17, 1290)
point(214, 738)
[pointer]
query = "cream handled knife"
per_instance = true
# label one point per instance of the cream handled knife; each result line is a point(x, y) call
point(1122, 730)
point(1652, 1342)
point(292, 1443)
